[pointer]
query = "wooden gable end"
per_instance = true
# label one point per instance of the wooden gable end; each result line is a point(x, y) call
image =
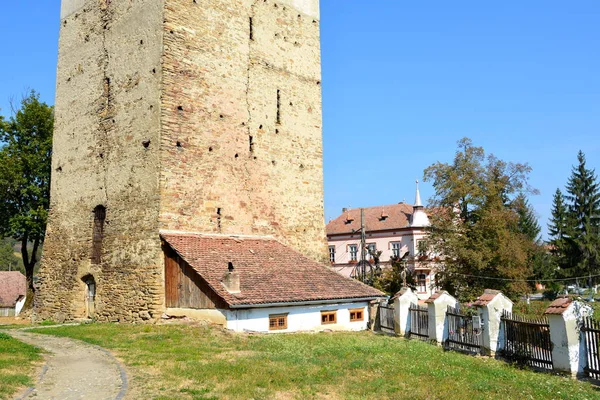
point(185, 288)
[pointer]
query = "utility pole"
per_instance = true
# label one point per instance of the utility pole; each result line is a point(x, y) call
point(363, 244)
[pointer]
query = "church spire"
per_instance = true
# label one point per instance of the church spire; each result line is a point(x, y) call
point(419, 217)
point(418, 197)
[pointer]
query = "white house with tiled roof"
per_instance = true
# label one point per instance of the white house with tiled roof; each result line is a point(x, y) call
point(13, 291)
point(395, 230)
point(258, 284)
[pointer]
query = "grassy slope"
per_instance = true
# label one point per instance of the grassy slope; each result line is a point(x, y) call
point(17, 362)
point(183, 362)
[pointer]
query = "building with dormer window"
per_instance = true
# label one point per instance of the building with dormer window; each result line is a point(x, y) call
point(395, 230)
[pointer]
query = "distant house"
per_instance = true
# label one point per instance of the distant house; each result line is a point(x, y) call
point(258, 284)
point(13, 291)
point(395, 230)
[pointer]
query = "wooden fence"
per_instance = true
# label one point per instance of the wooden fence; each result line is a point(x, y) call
point(386, 318)
point(591, 332)
point(463, 334)
point(527, 341)
point(419, 321)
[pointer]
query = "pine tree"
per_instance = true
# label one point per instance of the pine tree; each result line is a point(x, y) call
point(583, 195)
point(558, 229)
point(528, 222)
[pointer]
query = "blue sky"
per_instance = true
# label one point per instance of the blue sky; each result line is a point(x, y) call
point(404, 81)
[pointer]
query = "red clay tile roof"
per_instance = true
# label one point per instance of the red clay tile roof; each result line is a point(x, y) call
point(558, 306)
point(435, 296)
point(12, 286)
point(270, 272)
point(398, 216)
point(487, 296)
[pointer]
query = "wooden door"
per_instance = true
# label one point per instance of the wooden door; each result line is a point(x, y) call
point(172, 281)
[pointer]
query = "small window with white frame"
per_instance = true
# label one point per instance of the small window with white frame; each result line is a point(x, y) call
point(422, 283)
point(353, 250)
point(395, 249)
point(332, 254)
point(371, 247)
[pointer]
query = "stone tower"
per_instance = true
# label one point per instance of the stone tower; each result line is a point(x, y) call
point(188, 115)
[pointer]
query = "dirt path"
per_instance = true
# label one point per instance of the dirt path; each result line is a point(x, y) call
point(74, 370)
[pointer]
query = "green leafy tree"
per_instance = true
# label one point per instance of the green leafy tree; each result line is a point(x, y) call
point(391, 279)
point(477, 227)
point(8, 260)
point(25, 158)
point(583, 195)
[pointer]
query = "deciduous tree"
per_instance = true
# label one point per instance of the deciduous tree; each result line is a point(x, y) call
point(477, 226)
point(25, 154)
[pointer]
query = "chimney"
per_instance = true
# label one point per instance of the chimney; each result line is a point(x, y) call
point(231, 280)
point(344, 210)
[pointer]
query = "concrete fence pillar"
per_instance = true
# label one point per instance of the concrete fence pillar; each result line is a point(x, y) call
point(490, 306)
point(402, 301)
point(564, 316)
point(374, 315)
point(437, 305)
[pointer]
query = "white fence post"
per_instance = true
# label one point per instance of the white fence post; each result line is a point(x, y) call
point(489, 308)
point(437, 305)
point(402, 301)
point(564, 316)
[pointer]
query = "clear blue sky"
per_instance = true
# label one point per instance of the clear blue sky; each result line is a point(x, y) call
point(403, 81)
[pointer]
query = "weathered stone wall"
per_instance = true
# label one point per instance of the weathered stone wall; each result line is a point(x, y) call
point(241, 121)
point(200, 116)
point(106, 152)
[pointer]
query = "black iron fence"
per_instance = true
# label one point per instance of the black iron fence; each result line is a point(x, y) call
point(527, 341)
point(464, 332)
point(419, 321)
point(591, 332)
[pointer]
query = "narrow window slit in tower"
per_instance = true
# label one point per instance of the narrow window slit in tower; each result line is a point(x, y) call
point(251, 29)
point(278, 107)
point(251, 142)
point(219, 219)
point(98, 234)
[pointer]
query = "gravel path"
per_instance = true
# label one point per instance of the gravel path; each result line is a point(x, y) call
point(74, 370)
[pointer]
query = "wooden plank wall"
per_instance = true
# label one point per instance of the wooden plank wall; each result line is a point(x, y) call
point(185, 288)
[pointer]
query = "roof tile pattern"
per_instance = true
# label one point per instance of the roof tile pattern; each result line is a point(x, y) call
point(487, 296)
point(12, 286)
point(558, 306)
point(394, 216)
point(435, 296)
point(270, 272)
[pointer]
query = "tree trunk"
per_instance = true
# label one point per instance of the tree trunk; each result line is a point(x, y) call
point(29, 262)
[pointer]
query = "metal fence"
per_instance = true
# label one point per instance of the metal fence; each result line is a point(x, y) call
point(527, 341)
point(419, 321)
point(591, 332)
point(464, 332)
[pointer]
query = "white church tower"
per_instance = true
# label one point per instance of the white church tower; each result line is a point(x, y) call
point(419, 217)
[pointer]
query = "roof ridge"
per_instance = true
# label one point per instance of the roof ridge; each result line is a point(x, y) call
point(214, 235)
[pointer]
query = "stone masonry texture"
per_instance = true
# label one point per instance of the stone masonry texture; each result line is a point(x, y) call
point(199, 116)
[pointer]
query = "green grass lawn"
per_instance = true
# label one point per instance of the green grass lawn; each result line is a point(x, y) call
point(17, 365)
point(192, 362)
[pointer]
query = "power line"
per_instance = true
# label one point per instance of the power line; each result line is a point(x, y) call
point(526, 280)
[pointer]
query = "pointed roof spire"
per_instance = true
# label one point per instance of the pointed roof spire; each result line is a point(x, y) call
point(418, 197)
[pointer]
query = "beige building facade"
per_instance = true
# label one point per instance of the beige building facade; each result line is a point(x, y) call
point(177, 115)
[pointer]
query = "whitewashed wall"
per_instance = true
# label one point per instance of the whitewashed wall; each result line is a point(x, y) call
point(300, 318)
point(19, 305)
